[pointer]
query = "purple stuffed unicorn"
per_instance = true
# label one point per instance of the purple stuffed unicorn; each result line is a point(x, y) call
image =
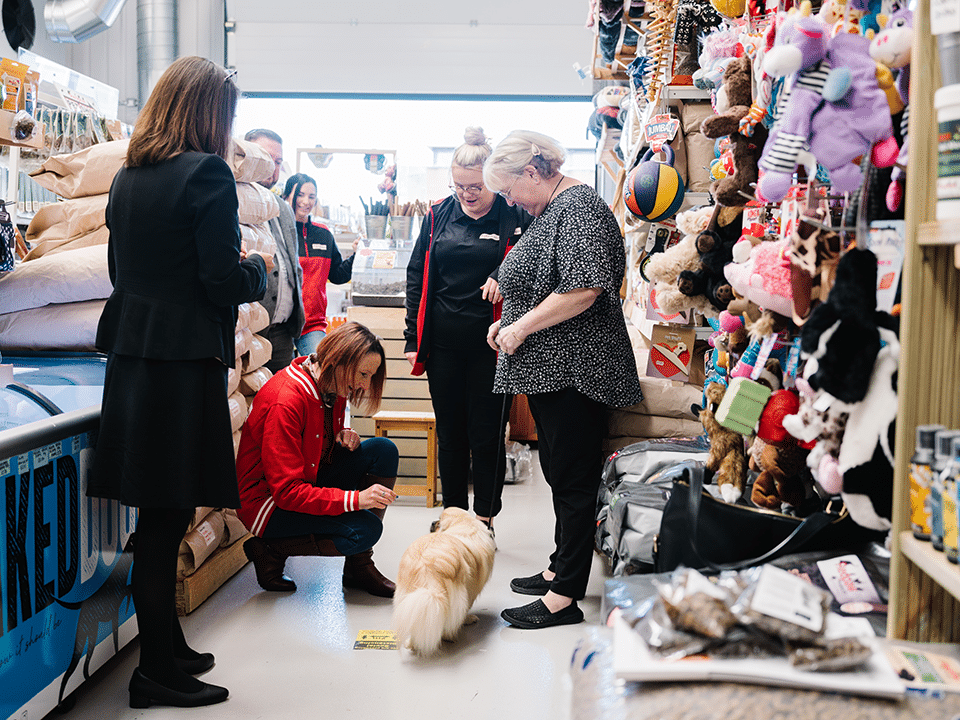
point(835, 107)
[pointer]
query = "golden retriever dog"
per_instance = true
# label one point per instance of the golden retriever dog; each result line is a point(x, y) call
point(440, 576)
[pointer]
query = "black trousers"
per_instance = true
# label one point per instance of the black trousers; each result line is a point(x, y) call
point(470, 424)
point(570, 430)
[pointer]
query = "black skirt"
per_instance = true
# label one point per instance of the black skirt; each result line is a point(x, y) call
point(165, 436)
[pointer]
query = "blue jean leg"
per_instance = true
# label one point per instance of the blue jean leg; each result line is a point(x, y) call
point(351, 532)
point(308, 342)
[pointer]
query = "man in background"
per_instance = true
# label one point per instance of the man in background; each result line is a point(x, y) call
point(282, 300)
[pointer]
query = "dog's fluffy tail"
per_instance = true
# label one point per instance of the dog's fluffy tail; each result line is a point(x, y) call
point(419, 619)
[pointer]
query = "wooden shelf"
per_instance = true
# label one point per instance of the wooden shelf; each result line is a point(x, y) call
point(924, 585)
point(938, 233)
point(683, 92)
point(933, 562)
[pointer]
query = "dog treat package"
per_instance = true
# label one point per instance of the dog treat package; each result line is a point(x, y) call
point(762, 612)
point(12, 75)
point(783, 604)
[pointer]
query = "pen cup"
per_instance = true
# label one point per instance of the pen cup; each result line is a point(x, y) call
point(376, 225)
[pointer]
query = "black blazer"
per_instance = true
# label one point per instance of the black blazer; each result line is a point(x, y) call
point(174, 261)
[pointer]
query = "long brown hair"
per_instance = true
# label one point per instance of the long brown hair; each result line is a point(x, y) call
point(191, 107)
point(341, 351)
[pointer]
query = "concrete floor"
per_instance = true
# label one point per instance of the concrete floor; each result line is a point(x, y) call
point(292, 655)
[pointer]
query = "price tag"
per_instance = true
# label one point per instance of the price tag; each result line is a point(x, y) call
point(944, 16)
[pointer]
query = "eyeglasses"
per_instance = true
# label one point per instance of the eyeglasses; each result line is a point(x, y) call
point(467, 189)
point(231, 74)
point(506, 195)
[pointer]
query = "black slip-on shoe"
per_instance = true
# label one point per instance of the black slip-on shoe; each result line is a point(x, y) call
point(201, 663)
point(536, 615)
point(533, 585)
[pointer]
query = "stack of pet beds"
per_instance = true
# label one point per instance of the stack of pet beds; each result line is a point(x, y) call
point(210, 552)
point(664, 411)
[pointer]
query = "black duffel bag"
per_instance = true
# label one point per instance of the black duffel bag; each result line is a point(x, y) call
point(705, 533)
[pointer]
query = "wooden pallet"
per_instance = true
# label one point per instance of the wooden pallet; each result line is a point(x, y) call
point(214, 572)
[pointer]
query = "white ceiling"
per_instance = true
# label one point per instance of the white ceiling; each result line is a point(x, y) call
point(488, 47)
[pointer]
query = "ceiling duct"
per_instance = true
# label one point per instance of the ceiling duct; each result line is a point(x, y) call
point(73, 21)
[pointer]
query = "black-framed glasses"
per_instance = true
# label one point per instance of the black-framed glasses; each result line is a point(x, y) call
point(506, 195)
point(467, 189)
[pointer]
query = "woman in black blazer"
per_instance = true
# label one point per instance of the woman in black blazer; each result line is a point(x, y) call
point(165, 444)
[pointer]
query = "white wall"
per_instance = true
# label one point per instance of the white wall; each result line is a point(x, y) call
point(495, 47)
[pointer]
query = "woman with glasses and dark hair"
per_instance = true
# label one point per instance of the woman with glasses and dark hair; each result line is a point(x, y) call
point(165, 444)
point(452, 297)
point(563, 343)
point(319, 258)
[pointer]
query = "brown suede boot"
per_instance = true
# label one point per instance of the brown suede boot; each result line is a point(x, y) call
point(359, 571)
point(269, 556)
point(268, 565)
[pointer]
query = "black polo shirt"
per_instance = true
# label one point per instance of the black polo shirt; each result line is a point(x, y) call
point(465, 253)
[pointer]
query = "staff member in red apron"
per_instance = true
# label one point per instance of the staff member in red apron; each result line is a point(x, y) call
point(319, 258)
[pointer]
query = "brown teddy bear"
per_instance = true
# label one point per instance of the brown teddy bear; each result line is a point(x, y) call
point(732, 105)
point(727, 458)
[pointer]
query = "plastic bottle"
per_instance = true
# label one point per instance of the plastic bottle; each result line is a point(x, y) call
point(951, 521)
point(920, 480)
point(941, 456)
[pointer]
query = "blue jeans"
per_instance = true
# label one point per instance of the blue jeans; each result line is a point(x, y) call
point(307, 343)
point(351, 532)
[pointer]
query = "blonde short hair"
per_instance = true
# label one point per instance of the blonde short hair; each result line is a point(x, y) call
point(521, 148)
point(474, 151)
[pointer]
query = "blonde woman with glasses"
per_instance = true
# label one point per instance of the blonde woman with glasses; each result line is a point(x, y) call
point(452, 297)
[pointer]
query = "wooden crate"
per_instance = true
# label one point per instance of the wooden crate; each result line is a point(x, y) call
point(402, 391)
point(214, 572)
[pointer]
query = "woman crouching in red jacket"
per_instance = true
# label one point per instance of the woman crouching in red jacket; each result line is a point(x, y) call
point(308, 486)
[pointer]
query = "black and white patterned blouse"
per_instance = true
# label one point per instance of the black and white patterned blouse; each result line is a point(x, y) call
point(575, 243)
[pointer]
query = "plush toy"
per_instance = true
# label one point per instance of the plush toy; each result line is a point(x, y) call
point(866, 451)
point(765, 277)
point(842, 334)
point(819, 423)
point(835, 107)
point(719, 48)
point(892, 47)
point(778, 456)
point(732, 105)
point(715, 246)
point(870, 14)
point(727, 458)
point(833, 11)
point(663, 269)
point(606, 111)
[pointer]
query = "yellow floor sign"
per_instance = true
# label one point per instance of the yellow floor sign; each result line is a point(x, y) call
point(375, 640)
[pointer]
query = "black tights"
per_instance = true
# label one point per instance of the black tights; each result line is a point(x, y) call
point(156, 546)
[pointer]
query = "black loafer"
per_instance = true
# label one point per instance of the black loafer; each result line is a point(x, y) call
point(144, 692)
point(196, 665)
point(533, 585)
point(536, 615)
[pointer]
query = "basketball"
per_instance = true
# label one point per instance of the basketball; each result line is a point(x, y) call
point(653, 190)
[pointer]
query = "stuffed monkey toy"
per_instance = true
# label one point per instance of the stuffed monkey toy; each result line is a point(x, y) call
point(727, 458)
